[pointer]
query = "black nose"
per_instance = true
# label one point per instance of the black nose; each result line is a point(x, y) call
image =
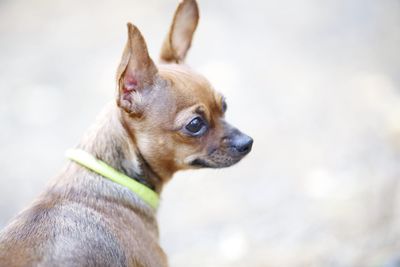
point(243, 144)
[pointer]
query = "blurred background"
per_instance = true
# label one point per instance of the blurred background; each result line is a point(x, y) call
point(315, 83)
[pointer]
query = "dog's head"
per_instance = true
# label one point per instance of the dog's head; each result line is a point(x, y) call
point(173, 114)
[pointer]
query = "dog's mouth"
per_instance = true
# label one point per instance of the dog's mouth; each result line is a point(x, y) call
point(219, 158)
point(200, 163)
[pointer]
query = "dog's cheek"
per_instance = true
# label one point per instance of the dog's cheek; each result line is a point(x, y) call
point(158, 153)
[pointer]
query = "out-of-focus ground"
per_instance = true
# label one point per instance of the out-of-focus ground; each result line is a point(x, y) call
point(316, 83)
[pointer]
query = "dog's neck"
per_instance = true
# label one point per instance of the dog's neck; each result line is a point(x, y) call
point(109, 140)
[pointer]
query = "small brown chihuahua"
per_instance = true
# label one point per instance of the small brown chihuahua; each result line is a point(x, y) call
point(166, 118)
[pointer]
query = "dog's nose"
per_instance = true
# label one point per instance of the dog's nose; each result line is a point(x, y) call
point(243, 144)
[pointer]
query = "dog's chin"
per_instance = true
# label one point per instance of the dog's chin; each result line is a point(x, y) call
point(215, 163)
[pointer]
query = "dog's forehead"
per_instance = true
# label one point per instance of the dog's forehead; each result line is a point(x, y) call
point(190, 85)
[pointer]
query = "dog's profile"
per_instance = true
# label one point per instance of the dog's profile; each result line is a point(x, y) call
point(100, 210)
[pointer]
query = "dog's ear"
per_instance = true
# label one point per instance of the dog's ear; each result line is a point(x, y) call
point(136, 72)
point(181, 32)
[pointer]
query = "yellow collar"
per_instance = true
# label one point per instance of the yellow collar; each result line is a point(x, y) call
point(86, 159)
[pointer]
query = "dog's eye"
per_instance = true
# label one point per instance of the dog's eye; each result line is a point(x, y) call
point(196, 126)
point(224, 106)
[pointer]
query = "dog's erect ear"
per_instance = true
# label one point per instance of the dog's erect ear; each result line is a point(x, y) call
point(135, 73)
point(181, 32)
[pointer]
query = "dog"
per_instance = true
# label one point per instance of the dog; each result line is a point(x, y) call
point(100, 210)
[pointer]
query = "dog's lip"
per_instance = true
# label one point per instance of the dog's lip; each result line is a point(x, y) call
point(198, 162)
point(210, 163)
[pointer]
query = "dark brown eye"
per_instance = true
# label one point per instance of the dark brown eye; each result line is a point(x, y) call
point(224, 106)
point(196, 126)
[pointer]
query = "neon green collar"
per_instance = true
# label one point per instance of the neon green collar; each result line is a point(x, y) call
point(86, 159)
